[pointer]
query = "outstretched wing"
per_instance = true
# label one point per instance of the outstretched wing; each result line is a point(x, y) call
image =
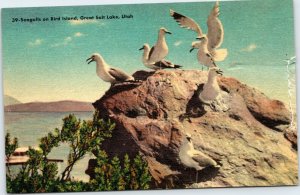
point(215, 33)
point(186, 22)
point(118, 74)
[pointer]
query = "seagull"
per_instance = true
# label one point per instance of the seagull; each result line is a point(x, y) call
point(107, 73)
point(211, 88)
point(192, 158)
point(204, 56)
point(158, 65)
point(215, 33)
point(160, 50)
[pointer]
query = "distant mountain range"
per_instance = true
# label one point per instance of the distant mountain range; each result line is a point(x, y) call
point(8, 100)
point(60, 106)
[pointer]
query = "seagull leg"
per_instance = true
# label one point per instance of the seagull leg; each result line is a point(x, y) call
point(196, 176)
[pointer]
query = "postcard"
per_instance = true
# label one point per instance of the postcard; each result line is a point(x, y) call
point(149, 96)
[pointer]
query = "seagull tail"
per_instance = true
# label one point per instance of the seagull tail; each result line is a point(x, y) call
point(177, 66)
point(220, 54)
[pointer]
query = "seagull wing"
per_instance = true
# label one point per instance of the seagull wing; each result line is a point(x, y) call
point(203, 160)
point(215, 32)
point(118, 74)
point(150, 53)
point(186, 22)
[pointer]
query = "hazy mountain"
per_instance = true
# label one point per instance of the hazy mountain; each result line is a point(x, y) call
point(8, 100)
point(60, 106)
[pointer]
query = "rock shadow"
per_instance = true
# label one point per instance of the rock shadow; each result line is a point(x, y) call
point(194, 107)
point(142, 75)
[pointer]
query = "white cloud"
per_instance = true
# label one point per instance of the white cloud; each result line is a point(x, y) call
point(78, 34)
point(68, 39)
point(36, 42)
point(81, 22)
point(250, 48)
point(177, 43)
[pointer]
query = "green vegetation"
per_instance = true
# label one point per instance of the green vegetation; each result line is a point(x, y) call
point(40, 175)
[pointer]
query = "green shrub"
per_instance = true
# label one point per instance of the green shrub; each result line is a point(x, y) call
point(40, 175)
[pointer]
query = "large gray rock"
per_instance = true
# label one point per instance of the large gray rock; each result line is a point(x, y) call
point(153, 115)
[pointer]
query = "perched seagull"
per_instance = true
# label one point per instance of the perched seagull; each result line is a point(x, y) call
point(160, 50)
point(211, 88)
point(204, 56)
point(194, 158)
point(158, 65)
point(106, 73)
point(215, 33)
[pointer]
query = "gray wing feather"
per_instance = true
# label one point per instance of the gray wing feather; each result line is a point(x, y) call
point(151, 51)
point(186, 22)
point(215, 33)
point(203, 160)
point(118, 74)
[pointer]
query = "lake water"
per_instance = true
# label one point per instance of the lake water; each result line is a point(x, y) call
point(28, 127)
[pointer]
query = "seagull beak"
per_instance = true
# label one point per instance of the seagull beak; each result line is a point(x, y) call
point(192, 49)
point(200, 38)
point(168, 32)
point(220, 72)
point(91, 60)
point(141, 48)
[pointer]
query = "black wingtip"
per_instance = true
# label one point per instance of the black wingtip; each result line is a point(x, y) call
point(177, 66)
point(176, 15)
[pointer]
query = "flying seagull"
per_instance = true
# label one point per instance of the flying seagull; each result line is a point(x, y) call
point(107, 73)
point(215, 33)
point(160, 50)
point(192, 158)
point(211, 88)
point(158, 65)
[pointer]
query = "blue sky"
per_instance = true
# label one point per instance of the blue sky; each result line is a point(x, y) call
point(45, 61)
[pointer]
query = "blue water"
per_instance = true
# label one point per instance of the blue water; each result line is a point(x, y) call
point(28, 127)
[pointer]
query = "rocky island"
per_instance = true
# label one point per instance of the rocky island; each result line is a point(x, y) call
point(251, 140)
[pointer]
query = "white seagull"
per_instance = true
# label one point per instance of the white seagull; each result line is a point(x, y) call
point(192, 158)
point(215, 33)
point(204, 56)
point(211, 88)
point(107, 73)
point(160, 50)
point(158, 65)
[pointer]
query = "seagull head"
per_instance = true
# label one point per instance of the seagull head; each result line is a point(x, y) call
point(214, 71)
point(145, 46)
point(164, 31)
point(93, 58)
point(195, 45)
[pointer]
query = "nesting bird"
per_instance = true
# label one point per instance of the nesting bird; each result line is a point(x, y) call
point(160, 50)
point(192, 158)
point(211, 88)
point(157, 65)
point(107, 73)
point(215, 34)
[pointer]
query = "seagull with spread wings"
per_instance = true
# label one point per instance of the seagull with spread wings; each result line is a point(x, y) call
point(210, 41)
